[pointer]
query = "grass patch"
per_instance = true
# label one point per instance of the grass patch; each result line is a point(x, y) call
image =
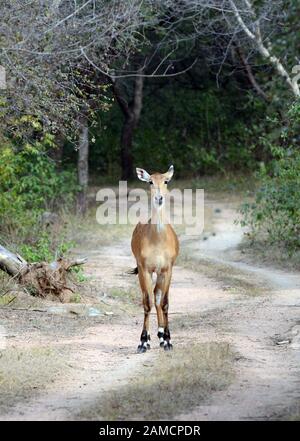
point(91, 234)
point(24, 371)
point(262, 251)
point(234, 281)
point(291, 413)
point(228, 185)
point(75, 298)
point(177, 381)
point(130, 295)
point(8, 289)
point(6, 299)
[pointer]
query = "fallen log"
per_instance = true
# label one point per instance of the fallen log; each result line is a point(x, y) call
point(40, 279)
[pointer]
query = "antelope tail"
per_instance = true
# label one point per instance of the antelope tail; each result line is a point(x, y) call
point(133, 271)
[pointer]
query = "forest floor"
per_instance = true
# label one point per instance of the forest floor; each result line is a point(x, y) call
point(234, 322)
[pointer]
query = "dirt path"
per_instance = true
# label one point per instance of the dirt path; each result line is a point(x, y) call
point(265, 332)
point(264, 329)
point(105, 356)
point(101, 355)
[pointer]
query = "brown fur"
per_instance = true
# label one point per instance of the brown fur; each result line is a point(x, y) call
point(155, 251)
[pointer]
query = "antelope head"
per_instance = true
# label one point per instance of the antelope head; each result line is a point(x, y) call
point(158, 185)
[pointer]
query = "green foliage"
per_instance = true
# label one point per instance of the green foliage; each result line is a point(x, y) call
point(275, 214)
point(40, 251)
point(79, 272)
point(30, 184)
point(44, 248)
point(201, 131)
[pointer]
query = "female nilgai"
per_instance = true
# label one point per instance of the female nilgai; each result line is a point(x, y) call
point(155, 247)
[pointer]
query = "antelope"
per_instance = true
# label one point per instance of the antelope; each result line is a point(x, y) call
point(155, 247)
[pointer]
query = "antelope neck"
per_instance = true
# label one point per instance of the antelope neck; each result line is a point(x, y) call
point(158, 218)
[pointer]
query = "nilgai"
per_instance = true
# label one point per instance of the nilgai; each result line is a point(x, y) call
point(155, 247)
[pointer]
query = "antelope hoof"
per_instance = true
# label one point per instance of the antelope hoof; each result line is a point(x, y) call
point(168, 346)
point(141, 349)
point(144, 345)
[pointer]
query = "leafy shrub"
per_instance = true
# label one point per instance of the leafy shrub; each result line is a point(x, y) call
point(30, 184)
point(45, 248)
point(275, 214)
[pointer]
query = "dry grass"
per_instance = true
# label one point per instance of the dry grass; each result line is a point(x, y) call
point(294, 415)
point(6, 299)
point(131, 295)
point(176, 381)
point(291, 413)
point(263, 252)
point(85, 230)
point(24, 371)
point(229, 187)
point(94, 235)
point(233, 280)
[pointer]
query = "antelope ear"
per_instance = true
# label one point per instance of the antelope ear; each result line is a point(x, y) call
point(169, 173)
point(143, 175)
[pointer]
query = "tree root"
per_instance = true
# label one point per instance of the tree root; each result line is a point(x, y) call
point(46, 280)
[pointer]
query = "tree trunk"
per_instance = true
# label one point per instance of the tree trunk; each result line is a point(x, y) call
point(126, 145)
point(41, 279)
point(265, 51)
point(250, 74)
point(132, 113)
point(11, 263)
point(83, 164)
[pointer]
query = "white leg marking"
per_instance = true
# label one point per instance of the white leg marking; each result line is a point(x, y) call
point(161, 331)
point(158, 297)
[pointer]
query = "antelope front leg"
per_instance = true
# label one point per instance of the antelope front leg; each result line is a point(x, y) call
point(160, 316)
point(146, 287)
point(167, 336)
point(161, 293)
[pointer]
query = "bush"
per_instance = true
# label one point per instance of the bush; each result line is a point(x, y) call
point(31, 184)
point(45, 248)
point(275, 214)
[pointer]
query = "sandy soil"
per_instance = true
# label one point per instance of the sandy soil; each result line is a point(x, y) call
point(97, 354)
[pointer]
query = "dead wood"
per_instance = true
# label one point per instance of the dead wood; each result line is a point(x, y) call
point(47, 280)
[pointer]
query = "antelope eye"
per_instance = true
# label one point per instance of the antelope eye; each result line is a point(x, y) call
point(166, 182)
point(150, 182)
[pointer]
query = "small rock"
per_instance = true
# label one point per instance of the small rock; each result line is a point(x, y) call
point(57, 310)
point(93, 312)
point(283, 342)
